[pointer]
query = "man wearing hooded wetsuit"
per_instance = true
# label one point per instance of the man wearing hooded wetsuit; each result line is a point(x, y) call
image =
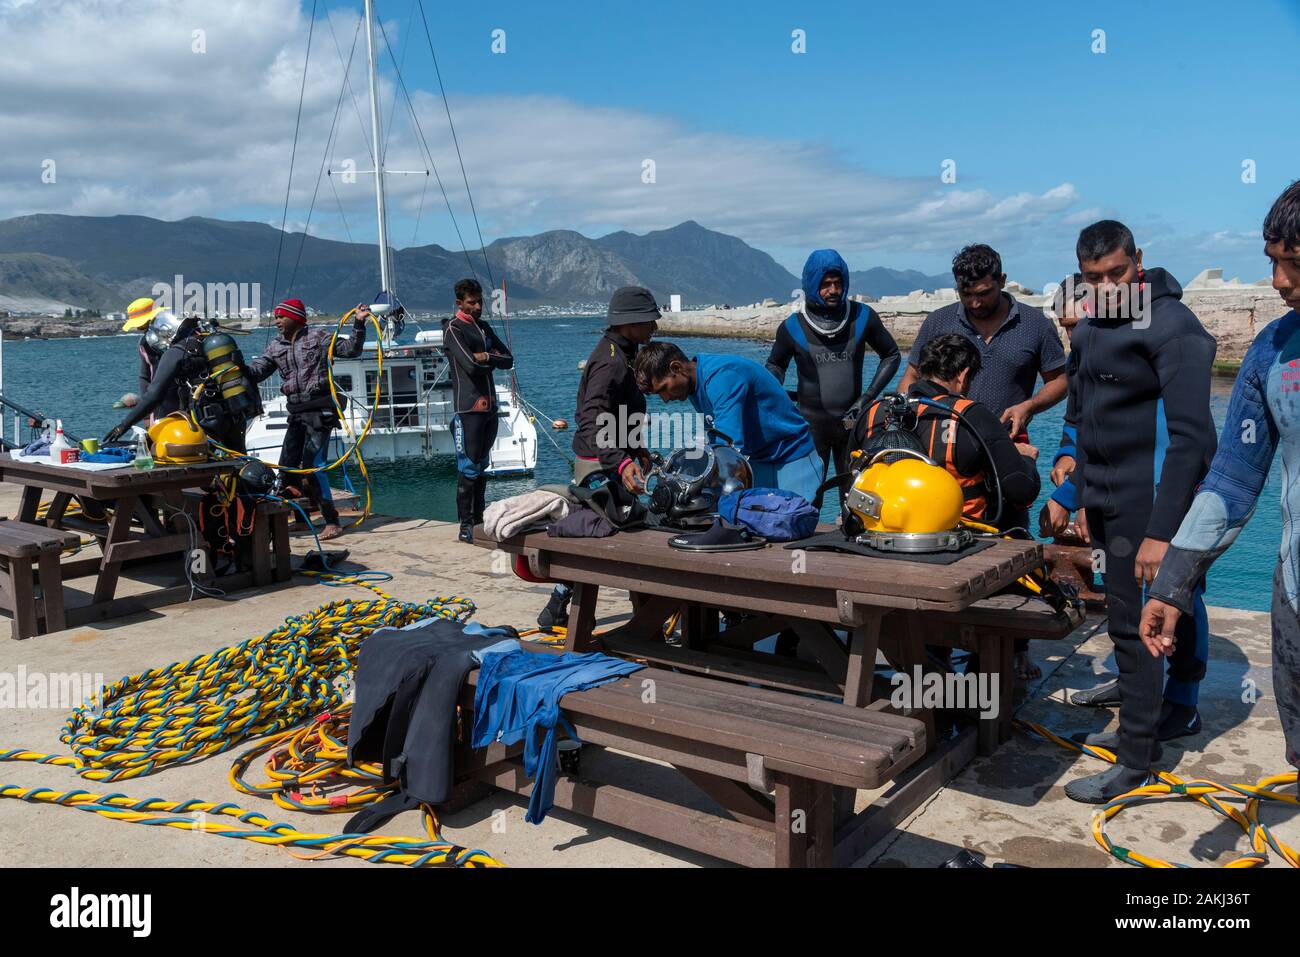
point(827, 337)
point(1263, 416)
point(1139, 347)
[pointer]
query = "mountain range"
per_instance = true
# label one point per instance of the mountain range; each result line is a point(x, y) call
point(102, 262)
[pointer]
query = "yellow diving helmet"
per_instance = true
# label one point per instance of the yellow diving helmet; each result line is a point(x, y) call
point(178, 441)
point(907, 504)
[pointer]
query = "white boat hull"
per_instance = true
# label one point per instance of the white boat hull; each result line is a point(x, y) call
point(412, 420)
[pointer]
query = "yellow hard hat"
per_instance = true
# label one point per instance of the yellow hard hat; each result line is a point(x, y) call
point(909, 495)
point(178, 441)
point(139, 313)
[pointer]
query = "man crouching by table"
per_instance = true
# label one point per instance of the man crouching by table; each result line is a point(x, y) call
point(608, 440)
point(302, 355)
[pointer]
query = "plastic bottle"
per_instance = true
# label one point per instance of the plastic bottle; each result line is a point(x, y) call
point(143, 460)
point(62, 452)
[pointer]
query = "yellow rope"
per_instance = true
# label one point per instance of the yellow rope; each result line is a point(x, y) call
point(284, 688)
point(1203, 792)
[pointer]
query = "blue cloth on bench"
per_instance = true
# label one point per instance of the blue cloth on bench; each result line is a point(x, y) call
point(519, 694)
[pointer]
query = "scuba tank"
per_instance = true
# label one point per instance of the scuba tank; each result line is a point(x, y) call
point(229, 396)
point(226, 369)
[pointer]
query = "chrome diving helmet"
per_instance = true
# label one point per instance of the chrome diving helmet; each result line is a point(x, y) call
point(690, 481)
point(162, 330)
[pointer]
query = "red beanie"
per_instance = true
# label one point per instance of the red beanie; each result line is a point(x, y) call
point(292, 309)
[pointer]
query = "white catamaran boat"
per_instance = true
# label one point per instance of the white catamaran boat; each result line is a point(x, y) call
point(414, 411)
point(413, 418)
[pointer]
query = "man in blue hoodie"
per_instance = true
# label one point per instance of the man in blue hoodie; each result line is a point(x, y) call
point(748, 407)
point(827, 337)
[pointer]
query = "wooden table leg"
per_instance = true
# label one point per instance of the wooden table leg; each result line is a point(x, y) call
point(582, 618)
point(826, 648)
point(804, 823)
point(24, 598)
point(261, 545)
point(863, 645)
point(51, 578)
point(911, 646)
point(280, 537)
point(31, 501)
point(58, 505)
point(119, 530)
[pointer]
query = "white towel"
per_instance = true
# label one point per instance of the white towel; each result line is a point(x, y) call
point(509, 516)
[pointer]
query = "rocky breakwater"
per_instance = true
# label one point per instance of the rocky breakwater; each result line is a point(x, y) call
point(1231, 311)
point(46, 327)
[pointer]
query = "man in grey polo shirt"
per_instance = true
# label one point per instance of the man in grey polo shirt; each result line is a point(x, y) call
point(1018, 343)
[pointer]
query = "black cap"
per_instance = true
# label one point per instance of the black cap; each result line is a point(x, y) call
point(632, 304)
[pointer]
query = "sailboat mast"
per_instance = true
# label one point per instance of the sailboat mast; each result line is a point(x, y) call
point(380, 208)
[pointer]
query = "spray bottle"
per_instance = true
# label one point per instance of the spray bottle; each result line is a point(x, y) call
point(62, 452)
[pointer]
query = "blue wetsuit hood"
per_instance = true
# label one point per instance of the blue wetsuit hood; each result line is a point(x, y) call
point(820, 262)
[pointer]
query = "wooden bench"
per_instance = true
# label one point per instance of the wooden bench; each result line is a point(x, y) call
point(769, 759)
point(21, 545)
point(270, 556)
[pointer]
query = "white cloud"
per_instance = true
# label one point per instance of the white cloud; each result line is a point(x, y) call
point(139, 123)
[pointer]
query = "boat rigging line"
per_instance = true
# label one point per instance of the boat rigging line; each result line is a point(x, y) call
point(302, 92)
point(456, 141)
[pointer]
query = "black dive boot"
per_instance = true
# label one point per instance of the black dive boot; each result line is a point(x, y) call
point(1102, 696)
point(1107, 785)
point(556, 611)
point(465, 508)
point(480, 496)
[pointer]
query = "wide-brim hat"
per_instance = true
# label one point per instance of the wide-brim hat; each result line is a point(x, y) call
point(631, 305)
point(140, 313)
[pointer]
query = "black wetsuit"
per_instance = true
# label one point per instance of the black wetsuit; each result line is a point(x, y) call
point(830, 372)
point(474, 399)
point(179, 370)
point(175, 400)
point(608, 388)
point(1119, 371)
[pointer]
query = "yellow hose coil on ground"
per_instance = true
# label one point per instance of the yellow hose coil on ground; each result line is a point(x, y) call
point(284, 687)
point(1203, 792)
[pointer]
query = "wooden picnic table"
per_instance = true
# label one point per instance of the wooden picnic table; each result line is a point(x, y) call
point(147, 523)
point(891, 605)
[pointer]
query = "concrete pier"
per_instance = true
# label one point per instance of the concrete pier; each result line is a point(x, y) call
point(1009, 807)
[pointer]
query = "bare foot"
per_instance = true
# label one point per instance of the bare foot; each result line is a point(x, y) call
point(329, 531)
point(1025, 668)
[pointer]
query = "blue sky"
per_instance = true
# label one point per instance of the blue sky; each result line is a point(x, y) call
point(840, 145)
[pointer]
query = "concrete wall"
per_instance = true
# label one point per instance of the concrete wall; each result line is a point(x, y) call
point(1233, 315)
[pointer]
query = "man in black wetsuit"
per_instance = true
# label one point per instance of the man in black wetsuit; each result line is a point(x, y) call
point(475, 351)
point(180, 369)
point(827, 337)
point(1137, 347)
point(610, 437)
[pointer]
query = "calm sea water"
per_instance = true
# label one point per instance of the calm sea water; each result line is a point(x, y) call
point(78, 380)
